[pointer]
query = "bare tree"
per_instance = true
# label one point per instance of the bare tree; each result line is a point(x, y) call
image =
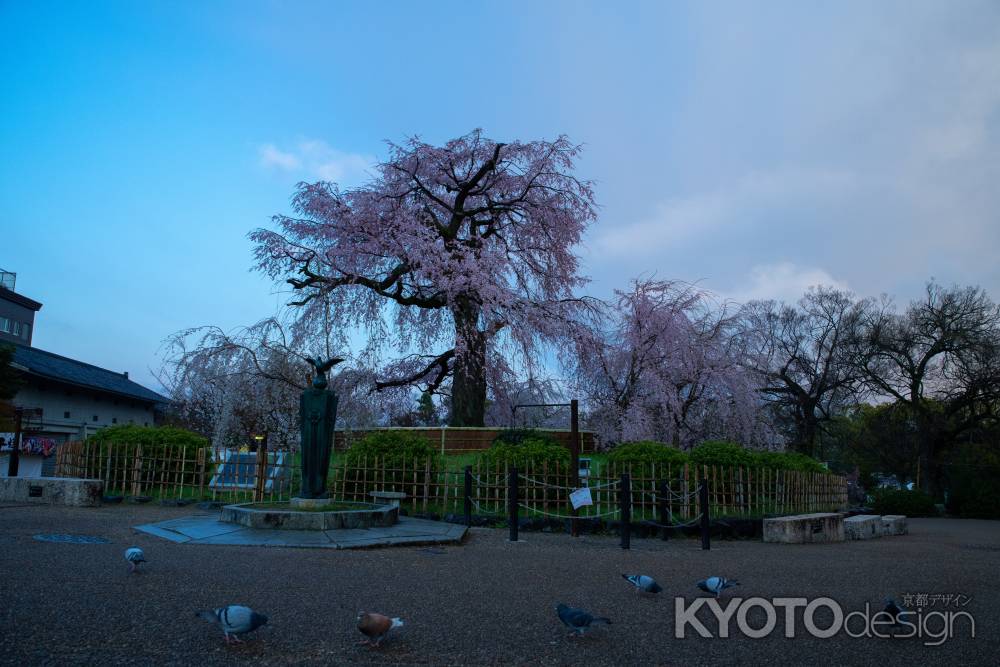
point(801, 356)
point(940, 359)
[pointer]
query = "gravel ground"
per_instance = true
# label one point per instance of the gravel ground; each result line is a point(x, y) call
point(485, 602)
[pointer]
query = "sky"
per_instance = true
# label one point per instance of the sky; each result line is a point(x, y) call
point(754, 148)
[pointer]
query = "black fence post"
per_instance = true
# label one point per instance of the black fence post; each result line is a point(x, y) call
point(625, 499)
point(703, 500)
point(512, 502)
point(468, 495)
point(664, 510)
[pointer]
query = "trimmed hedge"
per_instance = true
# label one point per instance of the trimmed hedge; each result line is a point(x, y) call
point(154, 439)
point(901, 501)
point(722, 453)
point(711, 453)
point(523, 448)
point(391, 448)
point(646, 453)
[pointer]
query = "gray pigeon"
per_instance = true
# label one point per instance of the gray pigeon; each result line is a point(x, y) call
point(717, 585)
point(894, 611)
point(578, 620)
point(234, 620)
point(134, 556)
point(643, 583)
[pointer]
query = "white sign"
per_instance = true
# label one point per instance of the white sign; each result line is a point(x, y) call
point(581, 497)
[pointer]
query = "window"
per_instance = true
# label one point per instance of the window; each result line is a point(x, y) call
point(26, 331)
point(65, 415)
point(114, 420)
point(4, 325)
point(16, 330)
point(95, 418)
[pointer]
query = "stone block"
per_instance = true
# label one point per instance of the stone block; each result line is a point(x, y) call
point(894, 524)
point(863, 527)
point(805, 528)
point(70, 491)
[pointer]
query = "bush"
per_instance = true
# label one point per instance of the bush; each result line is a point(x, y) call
point(154, 439)
point(516, 436)
point(644, 454)
point(722, 453)
point(788, 461)
point(391, 448)
point(528, 452)
point(901, 501)
point(972, 482)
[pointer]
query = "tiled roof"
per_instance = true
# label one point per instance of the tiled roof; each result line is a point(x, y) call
point(48, 365)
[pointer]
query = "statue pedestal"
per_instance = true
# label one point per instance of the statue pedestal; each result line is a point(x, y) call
point(308, 503)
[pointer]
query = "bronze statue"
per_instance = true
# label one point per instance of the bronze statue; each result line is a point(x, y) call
point(317, 417)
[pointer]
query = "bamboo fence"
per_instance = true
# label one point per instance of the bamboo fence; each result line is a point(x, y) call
point(435, 485)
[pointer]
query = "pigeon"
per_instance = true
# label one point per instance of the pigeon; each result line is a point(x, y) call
point(375, 627)
point(643, 583)
point(717, 585)
point(893, 610)
point(234, 620)
point(578, 620)
point(134, 556)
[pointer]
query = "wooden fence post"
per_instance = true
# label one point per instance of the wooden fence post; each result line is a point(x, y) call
point(625, 506)
point(468, 495)
point(664, 508)
point(703, 498)
point(512, 503)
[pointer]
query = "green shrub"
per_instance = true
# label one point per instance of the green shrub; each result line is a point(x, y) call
point(528, 452)
point(972, 482)
point(788, 461)
point(901, 501)
point(154, 439)
point(722, 453)
point(392, 448)
point(515, 436)
point(644, 454)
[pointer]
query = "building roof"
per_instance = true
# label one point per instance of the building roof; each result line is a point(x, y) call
point(63, 369)
point(19, 299)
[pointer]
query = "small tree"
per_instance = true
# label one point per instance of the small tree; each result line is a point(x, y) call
point(466, 249)
point(657, 366)
point(801, 357)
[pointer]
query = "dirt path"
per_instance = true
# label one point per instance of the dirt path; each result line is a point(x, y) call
point(486, 602)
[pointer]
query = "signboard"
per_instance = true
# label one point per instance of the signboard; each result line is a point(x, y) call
point(581, 497)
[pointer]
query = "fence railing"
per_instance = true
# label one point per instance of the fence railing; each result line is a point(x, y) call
point(436, 485)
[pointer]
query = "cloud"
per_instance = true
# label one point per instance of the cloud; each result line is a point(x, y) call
point(314, 158)
point(742, 203)
point(271, 156)
point(782, 281)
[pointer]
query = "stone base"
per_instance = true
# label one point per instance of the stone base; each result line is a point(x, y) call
point(805, 528)
point(71, 491)
point(894, 524)
point(366, 516)
point(308, 503)
point(863, 527)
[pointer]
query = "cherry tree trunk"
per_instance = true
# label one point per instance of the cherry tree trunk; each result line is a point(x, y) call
point(468, 389)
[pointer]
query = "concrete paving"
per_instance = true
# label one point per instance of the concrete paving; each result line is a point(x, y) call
point(208, 529)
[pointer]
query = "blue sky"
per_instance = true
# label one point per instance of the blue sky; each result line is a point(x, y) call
point(755, 147)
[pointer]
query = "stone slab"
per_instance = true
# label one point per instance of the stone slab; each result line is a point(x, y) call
point(805, 528)
point(894, 524)
point(863, 527)
point(207, 529)
point(70, 491)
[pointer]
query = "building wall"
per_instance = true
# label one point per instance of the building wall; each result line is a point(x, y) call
point(15, 317)
point(83, 406)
